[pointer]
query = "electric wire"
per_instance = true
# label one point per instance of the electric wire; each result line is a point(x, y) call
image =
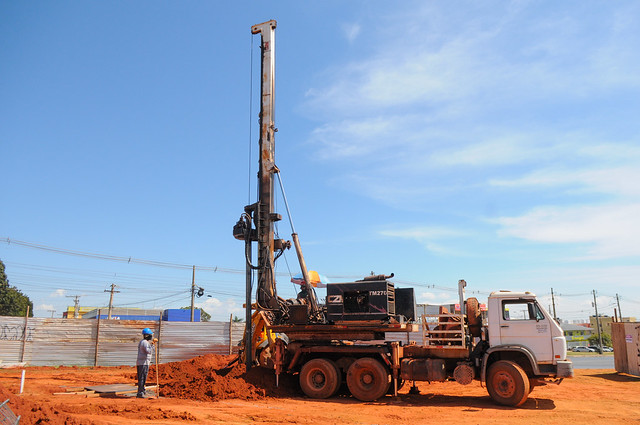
point(84, 279)
point(117, 258)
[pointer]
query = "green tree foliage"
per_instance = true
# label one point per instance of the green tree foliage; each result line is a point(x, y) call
point(204, 316)
point(606, 340)
point(12, 301)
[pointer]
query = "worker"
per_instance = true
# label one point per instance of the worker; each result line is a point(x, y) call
point(303, 295)
point(145, 350)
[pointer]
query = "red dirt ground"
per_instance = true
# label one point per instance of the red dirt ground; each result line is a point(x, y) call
point(203, 391)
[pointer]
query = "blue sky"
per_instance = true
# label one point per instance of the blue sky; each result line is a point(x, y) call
point(496, 142)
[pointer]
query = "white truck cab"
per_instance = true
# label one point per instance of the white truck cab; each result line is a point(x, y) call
point(520, 329)
point(516, 318)
point(526, 347)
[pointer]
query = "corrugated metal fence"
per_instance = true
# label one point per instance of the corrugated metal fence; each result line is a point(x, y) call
point(82, 342)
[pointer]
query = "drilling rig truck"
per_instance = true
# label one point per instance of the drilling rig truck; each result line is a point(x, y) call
point(513, 347)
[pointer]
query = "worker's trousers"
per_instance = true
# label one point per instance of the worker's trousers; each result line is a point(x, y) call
point(143, 371)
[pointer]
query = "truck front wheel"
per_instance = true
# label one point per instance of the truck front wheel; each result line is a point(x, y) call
point(507, 383)
point(320, 378)
point(368, 379)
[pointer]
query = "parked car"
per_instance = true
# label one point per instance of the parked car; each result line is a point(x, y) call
point(594, 348)
point(607, 349)
point(583, 349)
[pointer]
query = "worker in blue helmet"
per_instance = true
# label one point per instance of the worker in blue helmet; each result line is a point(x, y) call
point(145, 351)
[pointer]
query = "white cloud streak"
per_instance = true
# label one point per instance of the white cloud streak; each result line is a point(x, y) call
point(611, 230)
point(499, 103)
point(351, 31)
point(429, 237)
point(58, 293)
point(221, 309)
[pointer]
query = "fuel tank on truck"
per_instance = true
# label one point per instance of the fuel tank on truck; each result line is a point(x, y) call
point(423, 370)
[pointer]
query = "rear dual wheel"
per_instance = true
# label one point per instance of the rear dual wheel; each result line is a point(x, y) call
point(320, 378)
point(368, 379)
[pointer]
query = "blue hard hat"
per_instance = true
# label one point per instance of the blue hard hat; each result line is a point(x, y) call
point(147, 331)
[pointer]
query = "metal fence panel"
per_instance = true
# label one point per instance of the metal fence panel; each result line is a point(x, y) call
point(61, 342)
point(118, 341)
point(11, 337)
point(89, 342)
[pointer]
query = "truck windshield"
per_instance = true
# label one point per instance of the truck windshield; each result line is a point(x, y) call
point(521, 310)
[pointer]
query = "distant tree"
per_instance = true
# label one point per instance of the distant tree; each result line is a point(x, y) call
point(12, 301)
point(606, 340)
point(236, 319)
point(204, 316)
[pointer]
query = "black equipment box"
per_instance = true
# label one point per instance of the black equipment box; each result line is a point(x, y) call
point(406, 303)
point(371, 300)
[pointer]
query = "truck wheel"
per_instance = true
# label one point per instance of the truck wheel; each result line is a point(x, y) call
point(507, 383)
point(320, 378)
point(474, 317)
point(368, 379)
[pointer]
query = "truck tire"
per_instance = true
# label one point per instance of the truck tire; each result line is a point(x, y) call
point(320, 378)
point(368, 379)
point(474, 317)
point(507, 383)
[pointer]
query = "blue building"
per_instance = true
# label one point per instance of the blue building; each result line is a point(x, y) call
point(167, 315)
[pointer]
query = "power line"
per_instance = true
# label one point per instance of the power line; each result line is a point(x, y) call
point(174, 295)
point(117, 258)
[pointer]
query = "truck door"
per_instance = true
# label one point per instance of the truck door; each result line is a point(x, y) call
point(522, 322)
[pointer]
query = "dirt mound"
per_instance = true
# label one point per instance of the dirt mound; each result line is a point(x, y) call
point(38, 414)
point(208, 378)
point(131, 412)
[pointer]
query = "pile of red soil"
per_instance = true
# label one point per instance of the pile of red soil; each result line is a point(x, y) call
point(209, 378)
point(37, 414)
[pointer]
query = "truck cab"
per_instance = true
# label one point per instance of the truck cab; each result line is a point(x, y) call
point(526, 347)
point(516, 318)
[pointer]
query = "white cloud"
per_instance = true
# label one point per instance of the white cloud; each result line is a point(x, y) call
point(353, 138)
point(499, 151)
point(422, 233)
point(45, 307)
point(58, 293)
point(610, 230)
point(621, 180)
point(427, 297)
point(482, 60)
point(525, 115)
point(221, 309)
point(429, 237)
point(351, 31)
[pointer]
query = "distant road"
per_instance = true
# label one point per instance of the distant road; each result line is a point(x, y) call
point(592, 362)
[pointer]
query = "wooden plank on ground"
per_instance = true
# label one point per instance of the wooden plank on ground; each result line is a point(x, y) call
point(117, 388)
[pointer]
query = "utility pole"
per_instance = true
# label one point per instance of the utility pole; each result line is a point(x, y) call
point(51, 311)
point(595, 304)
point(76, 304)
point(619, 311)
point(553, 302)
point(113, 287)
point(193, 289)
